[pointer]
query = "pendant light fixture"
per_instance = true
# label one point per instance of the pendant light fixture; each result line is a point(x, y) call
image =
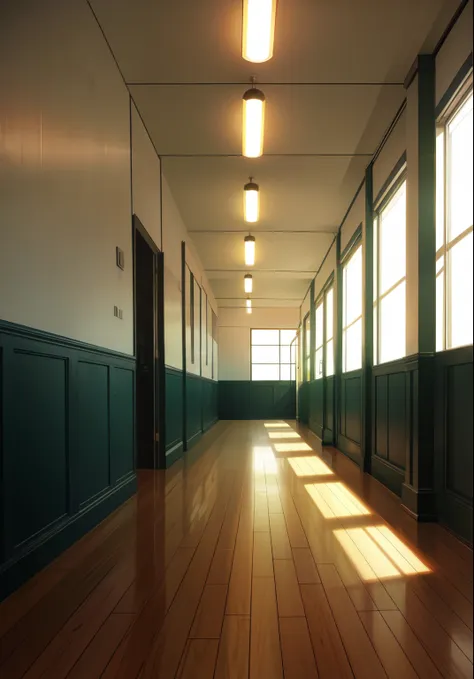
point(258, 30)
point(249, 306)
point(249, 244)
point(248, 283)
point(251, 202)
point(253, 122)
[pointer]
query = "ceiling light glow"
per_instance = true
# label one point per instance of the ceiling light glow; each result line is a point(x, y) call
point(258, 30)
point(253, 123)
point(248, 283)
point(249, 245)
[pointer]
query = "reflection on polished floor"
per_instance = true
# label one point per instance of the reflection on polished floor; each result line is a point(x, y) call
point(253, 557)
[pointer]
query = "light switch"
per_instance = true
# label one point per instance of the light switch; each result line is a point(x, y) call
point(120, 258)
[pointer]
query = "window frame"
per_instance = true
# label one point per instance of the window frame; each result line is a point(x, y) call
point(280, 345)
point(442, 253)
point(322, 299)
point(347, 256)
point(306, 348)
point(396, 184)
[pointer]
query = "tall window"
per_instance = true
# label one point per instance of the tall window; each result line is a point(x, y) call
point(352, 312)
point(307, 349)
point(390, 280)
point(454, 227)
point(324, 356)
point(319, 365)
point(273, 355)
point(329, 303)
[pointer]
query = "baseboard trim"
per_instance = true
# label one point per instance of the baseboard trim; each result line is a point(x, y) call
point(22, 567)
point(174, 452)
point(193, 440)
point(420, 504)
point(390, 476)
point(350, 448)
point(209, 425)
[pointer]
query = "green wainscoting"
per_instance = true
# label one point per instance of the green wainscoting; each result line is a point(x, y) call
point(303, 403)
point(321, 409)
point(316, 407)
point(67, 445)
point(454, 439)
point(393, 417)
point(246, 400)
point(194, 409)
point(201, 411)
point(173, 414)
point(209, 393)
point(350, 415)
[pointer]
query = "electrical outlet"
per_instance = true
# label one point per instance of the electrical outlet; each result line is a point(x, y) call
point(116, 311)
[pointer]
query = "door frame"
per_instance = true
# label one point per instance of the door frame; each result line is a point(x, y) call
point(159, 452)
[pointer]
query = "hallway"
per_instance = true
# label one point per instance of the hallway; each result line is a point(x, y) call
point(254, 556)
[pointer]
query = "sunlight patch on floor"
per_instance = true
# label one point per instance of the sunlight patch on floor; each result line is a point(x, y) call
point(335, 501)
point(291, 447)
point(283, 435)
point(309, 466)
point(264, 460)
point(375, 556)
point(274, 425)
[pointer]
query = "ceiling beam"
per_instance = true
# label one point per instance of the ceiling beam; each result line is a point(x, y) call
point(246, 270)
point(247, 83)
point(267, 155)
point(323, 232)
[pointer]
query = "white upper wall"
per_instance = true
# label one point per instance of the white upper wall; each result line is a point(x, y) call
point(454, 52)
point(354, 219)
point(326, 270)
point(395, 146)
point(64, 175)
point(146, 193)
point(234, 336)
point(174, 233)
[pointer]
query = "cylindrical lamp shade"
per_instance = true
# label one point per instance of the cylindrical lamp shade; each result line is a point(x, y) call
point(249, 251)
point(251, 203)
point(248, 283)
point(258, 30)
point(253, 123)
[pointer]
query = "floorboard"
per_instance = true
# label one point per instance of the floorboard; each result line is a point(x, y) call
point(251, 558)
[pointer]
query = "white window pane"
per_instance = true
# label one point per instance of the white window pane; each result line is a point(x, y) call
point(330, 368)
point(265, 354)
point(287, 336)
point(319, 364)
point(375, 259)
point(266, 337)
point(440, 312)
point(330, 314)
point(439, 264)
point(319, 325)
point(460, 170)
point(440, 184)
point(285, 355)
point(293, 373)
point(460, 293)
point(293, 352)
point(392, 236)
point(353, 347)
point(393, 325)
point(376, 335)
point(265, 372)
point(353, 288)
point(285, 372)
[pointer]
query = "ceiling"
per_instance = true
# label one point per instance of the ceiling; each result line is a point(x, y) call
point(332, 89)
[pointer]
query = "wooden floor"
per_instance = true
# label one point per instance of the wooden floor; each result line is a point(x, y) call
point(253, 557)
